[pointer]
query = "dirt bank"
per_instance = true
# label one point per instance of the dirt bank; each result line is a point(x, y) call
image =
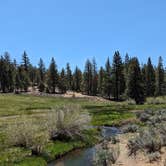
point(139, 160)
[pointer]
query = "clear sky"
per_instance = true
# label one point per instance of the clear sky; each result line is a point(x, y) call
point(74, 30)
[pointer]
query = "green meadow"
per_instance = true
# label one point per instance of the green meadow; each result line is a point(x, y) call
point(12, 107)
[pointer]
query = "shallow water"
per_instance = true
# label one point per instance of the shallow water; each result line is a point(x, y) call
point(83, 157)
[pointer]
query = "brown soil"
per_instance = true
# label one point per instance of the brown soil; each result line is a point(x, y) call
point(69, 94)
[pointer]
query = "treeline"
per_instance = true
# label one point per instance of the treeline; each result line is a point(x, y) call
point(119, 80)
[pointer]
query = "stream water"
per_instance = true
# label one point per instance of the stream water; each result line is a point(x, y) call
point(83, 157)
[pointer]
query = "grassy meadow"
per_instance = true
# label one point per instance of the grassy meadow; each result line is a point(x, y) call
point(13, 107)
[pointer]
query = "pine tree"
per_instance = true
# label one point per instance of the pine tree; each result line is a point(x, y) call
point(88, 78)
point(77, 79)
point(143, 73)
point(52, 81)
point(42, 72)
point(62, 82)
point(126, 67)
point(159, 78)
point(101, 81)
point(24, 79)
point(69, 77)
point(1, 70)
point(6, 73)
point(118, 82)
point(150, 79)
point(18, 85)
point(164, 86)
point(134, 82)
point(9, 77)
point(25, 61)
point(107, 80)
point(25, 66)
point(3, 75)
point(94, 77)
point(33, 75)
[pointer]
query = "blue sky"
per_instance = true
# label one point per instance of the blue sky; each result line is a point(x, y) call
point(74, 30)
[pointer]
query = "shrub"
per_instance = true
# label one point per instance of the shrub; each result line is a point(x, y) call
point(24, 133)
point(162, 131)
point(147, 141)
point(105, 156)
point(67, 122)
point(134, 145)
point(156, 100)
point(143, 117)
point(130, 128)
point(114, 140)
point(130, 102)
point(154, 156)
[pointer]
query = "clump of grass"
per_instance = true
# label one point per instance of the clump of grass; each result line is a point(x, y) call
point(68, 122)
point(25, 133)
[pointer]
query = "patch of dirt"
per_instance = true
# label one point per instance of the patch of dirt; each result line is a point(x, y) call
point(139, 160)
point(69, 94)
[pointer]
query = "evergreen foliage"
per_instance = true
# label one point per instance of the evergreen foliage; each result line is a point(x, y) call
point(135, 88)
point(121, 80)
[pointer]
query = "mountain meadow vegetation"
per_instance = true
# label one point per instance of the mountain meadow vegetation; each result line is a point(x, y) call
point(46, 113)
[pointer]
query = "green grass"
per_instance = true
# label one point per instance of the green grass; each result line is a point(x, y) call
point(12, 155)
point(12, 106)
point(32, 161)
point(59, 148)
point(108, 113)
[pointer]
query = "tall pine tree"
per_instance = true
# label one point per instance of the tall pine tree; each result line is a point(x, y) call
point(95, 77)
point(150, 79)
point(134, 83)
point(101, 81)
point(69, 77)
point(118, 82)
point(107, 80)
point(88, 77)
point(52, 80)
point(42, 72)
point(77, 79)
point(159, 78)
point(62, 81)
